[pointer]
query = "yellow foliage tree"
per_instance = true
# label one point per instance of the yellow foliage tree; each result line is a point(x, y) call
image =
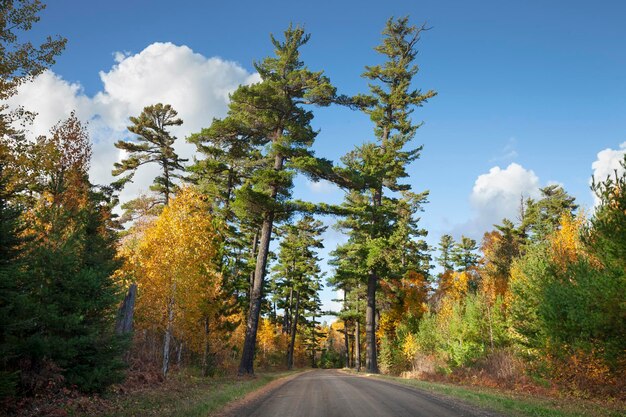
point(179, 288)
point(565, 243)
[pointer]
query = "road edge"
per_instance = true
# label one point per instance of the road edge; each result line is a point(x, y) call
point(243, 406)
point(458, 403)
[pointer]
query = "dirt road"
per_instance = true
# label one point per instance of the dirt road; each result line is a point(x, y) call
point(331, 393)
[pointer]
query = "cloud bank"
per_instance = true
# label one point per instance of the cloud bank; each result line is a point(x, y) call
point(196, 86)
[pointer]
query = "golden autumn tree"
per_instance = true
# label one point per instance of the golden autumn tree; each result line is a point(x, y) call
point(179, 288)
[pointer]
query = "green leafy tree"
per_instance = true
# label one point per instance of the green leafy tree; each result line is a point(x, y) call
point(153, 144)
point(21, 61)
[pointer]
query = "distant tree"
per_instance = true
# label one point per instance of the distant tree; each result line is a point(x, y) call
point(298, 273)
point(542, 217)
point(464, 254)
point(446, 247)
point(500, 248)
point(153, 144)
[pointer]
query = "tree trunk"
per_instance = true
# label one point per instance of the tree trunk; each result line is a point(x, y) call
point(345, 333)
point(294, 328)
point(357, 346)
point(287, 313)
point(255, 243)
point(168, 334)
point(206, 365)
point(346, 343)
point(124, 323)
point(246, 366)
point(179, 358)
point(371, 363)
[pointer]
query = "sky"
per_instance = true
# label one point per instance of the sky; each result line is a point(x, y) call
point(529, 93)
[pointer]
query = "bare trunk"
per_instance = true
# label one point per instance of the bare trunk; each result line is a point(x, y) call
point(294, 329)
point(346, 343)
point(179, 358)
point(206, 365)
point(357, 346)
point(345, 333)
point(371, 363)
point(168, 333)
point(246, 366)
point(124, 323)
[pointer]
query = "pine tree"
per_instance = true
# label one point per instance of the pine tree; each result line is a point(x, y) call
point(298, 274)
point(382, 164)
point(226, 164)
point(350, 268)
point(464, 256)
point(446, 246)
point(271, 117)
point(154, 144)
point(542, 217)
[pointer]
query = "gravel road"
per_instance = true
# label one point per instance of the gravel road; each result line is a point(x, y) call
point(332, 393)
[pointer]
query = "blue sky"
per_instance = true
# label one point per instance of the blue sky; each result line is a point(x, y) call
point(541, 85)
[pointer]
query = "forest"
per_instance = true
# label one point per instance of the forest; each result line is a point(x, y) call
point(216, 268)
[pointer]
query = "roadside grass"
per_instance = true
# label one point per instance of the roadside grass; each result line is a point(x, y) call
point(184, 396)
point(517, 404)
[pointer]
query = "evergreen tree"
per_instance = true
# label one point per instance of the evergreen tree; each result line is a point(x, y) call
point(71, 261)
point(542, 217)
point(14, 301)
point(298, 274)
point(464, 256)
point(382, 164)
point(154, 144)
point(446, 247)
point(271, 117)
point(229, 159)
point(350, 268)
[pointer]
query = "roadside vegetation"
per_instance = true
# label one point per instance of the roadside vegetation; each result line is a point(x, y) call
point(522, 404)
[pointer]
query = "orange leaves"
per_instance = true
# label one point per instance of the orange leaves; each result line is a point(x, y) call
point(174, 259)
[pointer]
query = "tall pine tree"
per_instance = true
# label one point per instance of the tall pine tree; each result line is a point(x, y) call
point(382, 164)
point(271, 117)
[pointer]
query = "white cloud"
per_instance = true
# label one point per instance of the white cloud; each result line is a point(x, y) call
point(497, 195)
point(607, 162)
point(196, 86)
